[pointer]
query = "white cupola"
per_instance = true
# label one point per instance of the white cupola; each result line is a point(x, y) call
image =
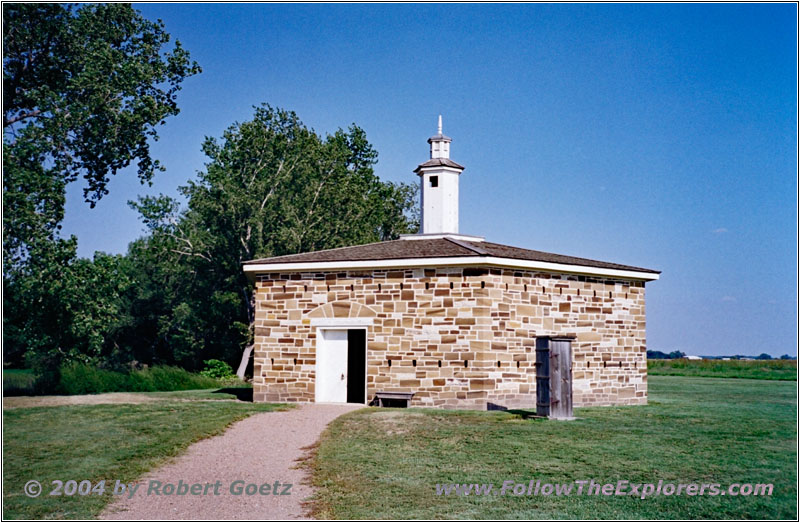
point(439, 187)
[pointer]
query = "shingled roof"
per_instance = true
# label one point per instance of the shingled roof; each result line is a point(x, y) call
point(438, 248)
point(437, 162)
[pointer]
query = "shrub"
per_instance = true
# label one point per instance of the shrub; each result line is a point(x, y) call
point(18, 382)
point(169, 378)
point(218, 369)
point(79, 378)
point(47, 381)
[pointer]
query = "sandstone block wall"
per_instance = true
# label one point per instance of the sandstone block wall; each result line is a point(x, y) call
point(458, 338)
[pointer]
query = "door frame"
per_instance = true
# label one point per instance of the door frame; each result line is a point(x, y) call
point(343, 324)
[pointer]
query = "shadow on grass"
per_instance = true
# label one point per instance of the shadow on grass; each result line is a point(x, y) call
point(526, 414)
point(19, 391)
point(241, 393)
point(522, 413)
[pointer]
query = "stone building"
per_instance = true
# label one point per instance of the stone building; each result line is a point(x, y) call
point(450, 317)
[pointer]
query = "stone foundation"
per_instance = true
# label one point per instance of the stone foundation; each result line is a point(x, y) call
point(458, 338)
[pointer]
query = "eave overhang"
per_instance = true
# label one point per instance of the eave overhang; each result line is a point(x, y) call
point(251, 270)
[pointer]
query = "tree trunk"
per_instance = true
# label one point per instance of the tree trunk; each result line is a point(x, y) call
point(245, 359)
point(249, 299)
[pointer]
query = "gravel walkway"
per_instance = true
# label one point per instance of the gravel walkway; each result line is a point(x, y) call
point(261, 449)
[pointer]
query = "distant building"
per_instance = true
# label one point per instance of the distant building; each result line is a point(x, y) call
point(694, 358)
point(450, 317)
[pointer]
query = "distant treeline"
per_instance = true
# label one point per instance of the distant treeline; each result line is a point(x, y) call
point(658, 355)
point(674, 355)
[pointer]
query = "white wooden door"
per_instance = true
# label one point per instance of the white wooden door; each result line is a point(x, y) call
point(331, 372)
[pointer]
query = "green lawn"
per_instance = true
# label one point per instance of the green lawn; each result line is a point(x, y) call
point(385, 463)
point(756, 369)
point(102, 442)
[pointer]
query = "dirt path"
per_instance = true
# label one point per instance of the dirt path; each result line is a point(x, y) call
point(15, 402)
point(262, 449)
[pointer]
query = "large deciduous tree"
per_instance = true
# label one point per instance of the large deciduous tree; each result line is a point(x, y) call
point(272, 186)
point(83, 91)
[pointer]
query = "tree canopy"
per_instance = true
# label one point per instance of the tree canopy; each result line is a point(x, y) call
point(83, 91)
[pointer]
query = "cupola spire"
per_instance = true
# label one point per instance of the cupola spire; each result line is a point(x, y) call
point(439, 187)
point(440, 144)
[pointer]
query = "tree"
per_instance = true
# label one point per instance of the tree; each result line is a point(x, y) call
point(83, 91)
point(271, 186)
point(33, 204)
point(64, 308)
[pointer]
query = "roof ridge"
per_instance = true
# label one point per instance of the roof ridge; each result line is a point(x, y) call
point(476, 250)
point(321, 250)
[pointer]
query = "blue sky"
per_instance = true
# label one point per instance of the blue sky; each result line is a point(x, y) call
point(661, 136)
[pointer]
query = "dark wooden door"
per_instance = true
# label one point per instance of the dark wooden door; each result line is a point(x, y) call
point(542, 376)
point(356, 365)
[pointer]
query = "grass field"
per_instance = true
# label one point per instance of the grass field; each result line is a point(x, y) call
point(102, 442)
point(385, 464)
point(756, 369)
